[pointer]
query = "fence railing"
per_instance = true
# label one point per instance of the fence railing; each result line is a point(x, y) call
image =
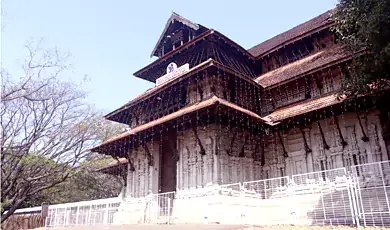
point(94, 212)
point(331, 197)
point(372, 191)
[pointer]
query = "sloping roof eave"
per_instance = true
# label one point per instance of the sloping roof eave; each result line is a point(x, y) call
point(322, 60)
point(311, 26)
point(214, 100)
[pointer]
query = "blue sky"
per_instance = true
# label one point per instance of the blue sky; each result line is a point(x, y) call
point(110, 40)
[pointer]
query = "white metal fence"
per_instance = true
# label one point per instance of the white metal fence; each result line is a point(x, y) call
point(94, 212)
point(331, 197)
point(372, 190)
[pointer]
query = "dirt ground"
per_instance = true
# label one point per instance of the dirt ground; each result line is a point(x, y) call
point(210, 227)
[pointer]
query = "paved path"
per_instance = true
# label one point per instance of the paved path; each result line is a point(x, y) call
point(209, 227)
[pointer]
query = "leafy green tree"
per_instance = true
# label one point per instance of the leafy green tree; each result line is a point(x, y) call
point(363, 27)
point(85, 184)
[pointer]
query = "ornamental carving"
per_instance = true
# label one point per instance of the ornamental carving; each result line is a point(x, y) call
point(374, 142)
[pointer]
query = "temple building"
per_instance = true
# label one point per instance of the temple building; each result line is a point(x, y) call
point(222, 114)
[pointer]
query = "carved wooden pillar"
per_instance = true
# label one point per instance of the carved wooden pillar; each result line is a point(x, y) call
point(134, 181)
point(217, 162)
point(129, 192)
point(137, 176)
point(373, 133)
point(179, 165)
point(191, 164)
point(146, 176)
point(186, 165)
point(222, 163)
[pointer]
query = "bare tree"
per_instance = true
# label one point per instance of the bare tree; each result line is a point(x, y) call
point(46, 129)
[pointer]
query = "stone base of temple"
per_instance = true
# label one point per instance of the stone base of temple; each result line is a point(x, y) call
point(309, 202)
point(135, 211)
point(297, 210)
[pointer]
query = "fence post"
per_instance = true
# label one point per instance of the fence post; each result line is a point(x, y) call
point(66, 217)
point(89, 215)
point(47, 219)
point(352, 200)
point(384, 185)
point(77, 215)
point(105, 218)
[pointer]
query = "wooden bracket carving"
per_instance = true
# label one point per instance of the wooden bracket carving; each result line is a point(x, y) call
point(326, 146)
point(281, 142)
point(148, 154)
point(343, 142)
point(176, 156)
point(242, 151)
point(230, 150)
point(307, 149)
point(202, 150)
point(364, 138)
point(131, 165)
point(122, 174)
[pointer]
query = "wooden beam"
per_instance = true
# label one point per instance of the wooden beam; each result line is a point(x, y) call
point(336, 121)
point(242, 151)
point(364, 138)
point(307, 149)
point(202, 150)
point(326, 146)
point(281, 141)
point(148, 154)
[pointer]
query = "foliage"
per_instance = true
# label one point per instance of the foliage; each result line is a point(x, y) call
point(85, 184)
point(47, 130)
point(363, 27)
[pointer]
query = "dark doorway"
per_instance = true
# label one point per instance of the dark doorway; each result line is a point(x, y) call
point(168, 164)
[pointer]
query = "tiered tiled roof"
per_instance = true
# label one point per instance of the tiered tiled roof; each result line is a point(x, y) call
point(316, 24)
point(201, 37)
point(186, 110)
point(176, 17)
point(153, 91)
point(310, 64)
point(302, 108)
point(320, 60)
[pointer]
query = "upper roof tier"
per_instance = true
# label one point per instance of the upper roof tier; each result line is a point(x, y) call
point(209, 44)
point(305, 66)
point(210, 65)
point(177, 31)
point(309, 27)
